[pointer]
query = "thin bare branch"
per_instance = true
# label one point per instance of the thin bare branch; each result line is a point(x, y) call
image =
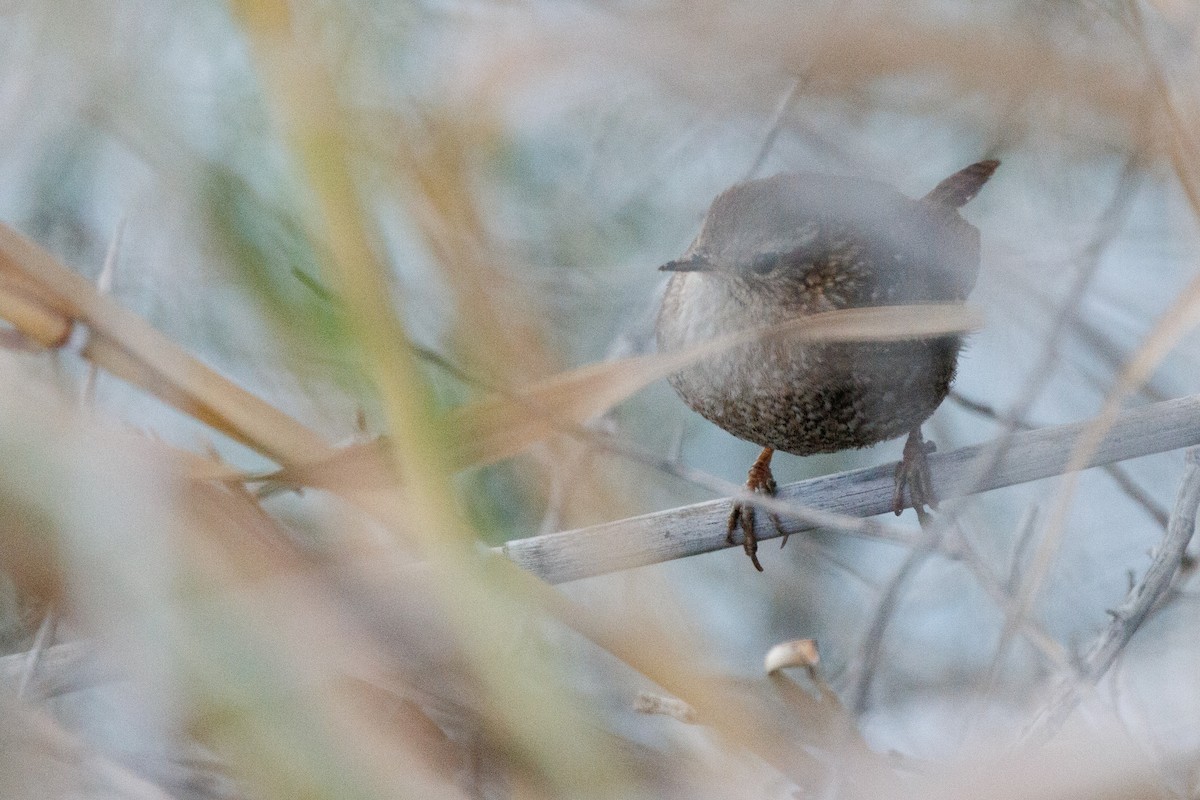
point(104, 284)
point(774, 126)
point(61, 669)
point(45, 634)
point(1012, 619)
point(1129, 616)
point(869, 655)
point(1002, 595)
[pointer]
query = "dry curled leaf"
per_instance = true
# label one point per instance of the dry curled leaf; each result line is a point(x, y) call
point(798, 653)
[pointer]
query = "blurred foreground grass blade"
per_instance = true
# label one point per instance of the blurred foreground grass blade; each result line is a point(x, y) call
point(503, 427)
point(1177, 321)
point(531, 716)
point(204, 601)
point(261, 229)
point(135, 351)
point(46, 326)
point(285, 712)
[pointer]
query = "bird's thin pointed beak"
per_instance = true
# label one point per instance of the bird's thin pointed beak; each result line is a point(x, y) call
point(689, 264)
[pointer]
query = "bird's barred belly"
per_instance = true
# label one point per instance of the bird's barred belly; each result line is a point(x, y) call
point(820, 399)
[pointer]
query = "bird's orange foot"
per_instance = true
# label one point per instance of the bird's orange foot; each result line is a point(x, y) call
point(760, 481)
point(912, 473)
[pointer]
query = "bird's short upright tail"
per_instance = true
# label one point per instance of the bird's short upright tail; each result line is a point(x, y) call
point(963, 185)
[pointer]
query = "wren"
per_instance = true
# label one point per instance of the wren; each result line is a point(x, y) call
point(795, 244)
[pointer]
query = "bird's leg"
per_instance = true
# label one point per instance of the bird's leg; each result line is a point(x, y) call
point(761, 481)
point(913, 473)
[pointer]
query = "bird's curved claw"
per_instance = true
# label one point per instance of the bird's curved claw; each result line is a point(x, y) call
point(912, 473)
point(760, 481)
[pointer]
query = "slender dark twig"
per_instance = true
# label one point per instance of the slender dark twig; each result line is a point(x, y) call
point(871, 651)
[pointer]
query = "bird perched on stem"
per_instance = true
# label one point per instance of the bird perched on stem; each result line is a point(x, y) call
point(795, 244)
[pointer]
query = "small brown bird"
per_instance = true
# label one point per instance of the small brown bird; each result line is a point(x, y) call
point(795, 244)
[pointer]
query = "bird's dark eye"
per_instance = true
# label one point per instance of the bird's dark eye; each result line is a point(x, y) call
point(764, 263)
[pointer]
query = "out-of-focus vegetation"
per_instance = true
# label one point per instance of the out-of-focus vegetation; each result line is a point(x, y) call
point(439, 223)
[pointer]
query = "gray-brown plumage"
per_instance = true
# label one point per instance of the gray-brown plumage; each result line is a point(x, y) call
point(796, 244)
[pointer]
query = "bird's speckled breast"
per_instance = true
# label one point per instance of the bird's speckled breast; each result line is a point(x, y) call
point(799, 398)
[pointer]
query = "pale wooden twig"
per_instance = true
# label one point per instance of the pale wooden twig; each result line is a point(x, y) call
point(1129, 616)
point(700, 528)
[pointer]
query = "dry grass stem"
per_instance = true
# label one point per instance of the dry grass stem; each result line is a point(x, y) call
point(153, 362)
